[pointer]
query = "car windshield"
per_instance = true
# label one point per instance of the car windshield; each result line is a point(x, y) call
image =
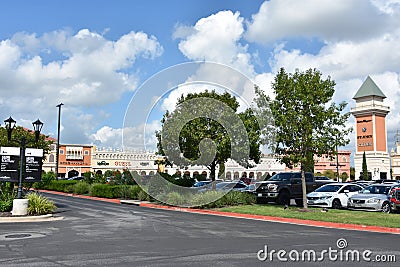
point(375, 189)
point(329, 188)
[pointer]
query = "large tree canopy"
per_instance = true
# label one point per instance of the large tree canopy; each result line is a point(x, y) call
point(307, 122)
point(205, 129)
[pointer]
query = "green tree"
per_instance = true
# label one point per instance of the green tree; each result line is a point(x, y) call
point(352, 173)
point(344, 176)
point(364, 171)
point(305, 123)
point(205, 129)
point(330, 174)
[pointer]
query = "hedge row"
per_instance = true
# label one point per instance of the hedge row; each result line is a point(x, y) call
point(208, 199)
point(95, 190)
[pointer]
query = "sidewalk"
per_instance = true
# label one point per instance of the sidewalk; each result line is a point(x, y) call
point(378, 229)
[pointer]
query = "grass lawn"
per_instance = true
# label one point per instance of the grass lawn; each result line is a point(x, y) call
point(339, 216)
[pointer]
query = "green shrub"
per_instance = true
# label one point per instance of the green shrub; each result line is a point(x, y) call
point(62, 186)
point(7, 195)
point(81, 188)
point(214, 199)
point(6, 201)
point(39, 205)
point(104, 190)
point(135, 190)
point(176, 199)
point(47, 178)
point(208, 199)
point(234, 198)
point(143, 196)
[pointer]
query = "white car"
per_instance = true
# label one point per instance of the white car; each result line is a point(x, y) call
point(333, 195)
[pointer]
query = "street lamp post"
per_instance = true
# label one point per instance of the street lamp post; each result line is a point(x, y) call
point(58, 138)
point(10, 124)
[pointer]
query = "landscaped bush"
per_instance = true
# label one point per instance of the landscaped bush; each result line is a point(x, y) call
point(104, 190)
point(234, 198)
point(81, 188)
point(128, 191)
point(7, 195)
point(39, 205)
point(47, 178)
point(6, 201)
point(143, 196)
point(66, 186)
point(176, 199)
point(208, 199)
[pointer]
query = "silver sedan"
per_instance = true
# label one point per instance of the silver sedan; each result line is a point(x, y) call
point(374, 198)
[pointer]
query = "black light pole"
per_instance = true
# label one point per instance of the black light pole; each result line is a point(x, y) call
point(58, 137)
point(37, 126)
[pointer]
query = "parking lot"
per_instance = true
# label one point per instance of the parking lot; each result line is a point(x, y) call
point(95, 233)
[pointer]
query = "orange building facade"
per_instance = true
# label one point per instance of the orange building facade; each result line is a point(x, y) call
point(74, 160)
point(330, 163)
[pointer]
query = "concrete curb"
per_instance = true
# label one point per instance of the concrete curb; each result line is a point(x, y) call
point(356, 227)
point(40, 218)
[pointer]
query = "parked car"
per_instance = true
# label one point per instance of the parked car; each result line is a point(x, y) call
point(76, 178)
point(395, 199)
point(251, 188)
point(324, 179)
point(332, 195)
point(225, 186)
point(201, 183)
point(284, 186)
point(363, 183)
point(374, 197)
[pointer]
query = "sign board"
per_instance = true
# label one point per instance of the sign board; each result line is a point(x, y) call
point(33, 167)
point(9, 160)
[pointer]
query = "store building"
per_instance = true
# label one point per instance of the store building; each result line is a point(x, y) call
point(74, 160)
point(395, 157)
point(144, 163)
point(331, 163)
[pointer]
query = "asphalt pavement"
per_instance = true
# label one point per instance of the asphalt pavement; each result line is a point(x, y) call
point(94, 233)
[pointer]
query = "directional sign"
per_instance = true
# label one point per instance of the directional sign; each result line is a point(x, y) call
point(33, 167)
point(9, 160)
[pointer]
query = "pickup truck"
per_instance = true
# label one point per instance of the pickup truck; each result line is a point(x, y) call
point(284, 186)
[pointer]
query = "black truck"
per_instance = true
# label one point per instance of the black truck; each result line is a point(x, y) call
point(284, 186)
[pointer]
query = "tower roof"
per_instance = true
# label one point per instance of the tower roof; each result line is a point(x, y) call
point(369, 88)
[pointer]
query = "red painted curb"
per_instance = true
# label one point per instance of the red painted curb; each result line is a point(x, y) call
point(110, 200)
point(368, 228)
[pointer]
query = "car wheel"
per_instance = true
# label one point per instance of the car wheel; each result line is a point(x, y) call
point(336, 204)
point(283, 198)
point(386, 207)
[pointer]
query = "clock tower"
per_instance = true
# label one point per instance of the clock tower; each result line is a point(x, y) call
point(370, 113)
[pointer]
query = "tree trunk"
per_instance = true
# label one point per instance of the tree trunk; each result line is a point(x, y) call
point(213, 166)
point(304, 188)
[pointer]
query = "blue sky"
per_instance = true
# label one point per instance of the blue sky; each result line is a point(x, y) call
point(94, 55)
